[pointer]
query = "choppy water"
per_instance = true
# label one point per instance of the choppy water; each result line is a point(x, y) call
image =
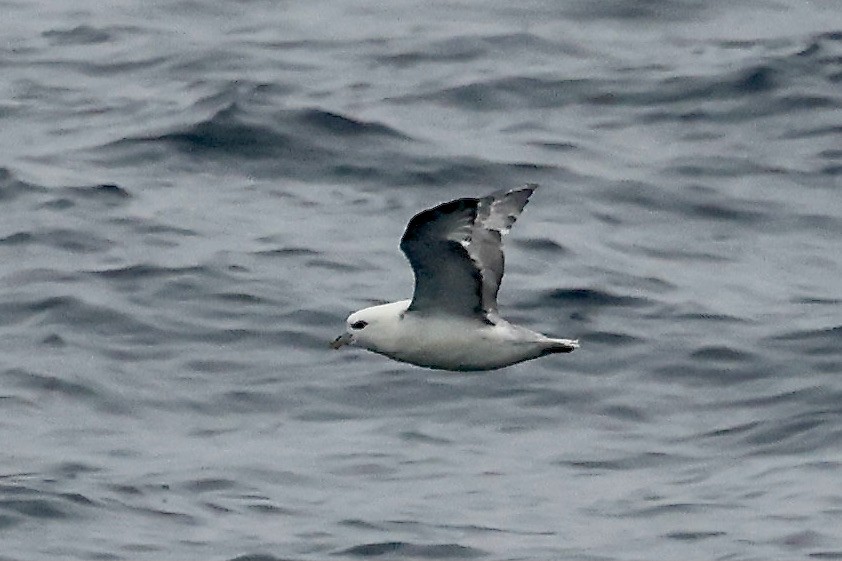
point(193, 195)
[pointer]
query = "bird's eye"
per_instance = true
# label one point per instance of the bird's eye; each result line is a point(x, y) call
point(359, 324)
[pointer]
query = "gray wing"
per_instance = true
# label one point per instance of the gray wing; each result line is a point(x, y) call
point(495, 216)
point(456, 254)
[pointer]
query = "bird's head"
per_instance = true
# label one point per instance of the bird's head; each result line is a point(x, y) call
point(372, 328)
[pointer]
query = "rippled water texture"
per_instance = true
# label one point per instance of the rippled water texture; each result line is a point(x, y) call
point(193, 196)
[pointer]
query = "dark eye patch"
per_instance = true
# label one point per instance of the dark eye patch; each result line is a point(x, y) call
point(359, 324)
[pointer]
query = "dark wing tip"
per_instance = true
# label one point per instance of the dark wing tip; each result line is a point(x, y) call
point(523, 193)
point(463, 210)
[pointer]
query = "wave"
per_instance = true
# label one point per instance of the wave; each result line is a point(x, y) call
point(405, 549)
point(308, 134)
point(314, 144)
point(465, 49)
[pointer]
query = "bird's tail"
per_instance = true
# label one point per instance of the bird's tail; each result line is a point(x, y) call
point(553, 346)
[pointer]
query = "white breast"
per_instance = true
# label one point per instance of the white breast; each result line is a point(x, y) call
point(453, 343)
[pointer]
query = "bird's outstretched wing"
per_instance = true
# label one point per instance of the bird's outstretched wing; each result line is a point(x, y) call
point(455, 251)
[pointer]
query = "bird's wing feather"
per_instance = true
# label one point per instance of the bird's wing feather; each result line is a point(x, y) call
point(446, 278)
point(495, 216)
point(455, 252)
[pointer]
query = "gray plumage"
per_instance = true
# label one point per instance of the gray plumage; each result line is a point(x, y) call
point(456, 253)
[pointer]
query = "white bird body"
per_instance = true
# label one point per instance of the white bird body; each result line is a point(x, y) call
point(448, 343)
point(451, 323)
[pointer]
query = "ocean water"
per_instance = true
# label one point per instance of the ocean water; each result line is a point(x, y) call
point(194, 195)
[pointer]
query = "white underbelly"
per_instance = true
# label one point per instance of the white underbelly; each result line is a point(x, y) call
point(460, 346)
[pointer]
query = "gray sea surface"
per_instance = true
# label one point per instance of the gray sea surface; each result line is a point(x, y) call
point(194, 195)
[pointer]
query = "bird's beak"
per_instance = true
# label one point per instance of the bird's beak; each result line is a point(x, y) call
point(342, 340)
